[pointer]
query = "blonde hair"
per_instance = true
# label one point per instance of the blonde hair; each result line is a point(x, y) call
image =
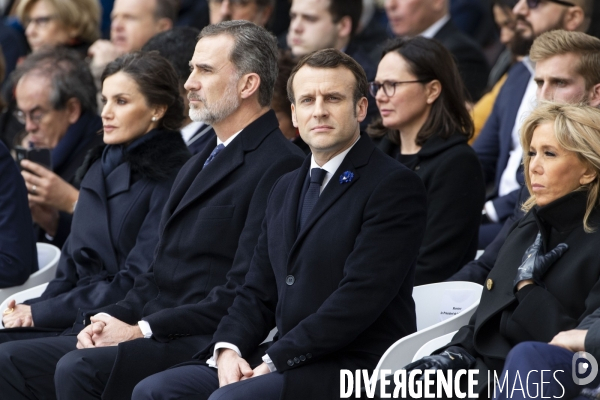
point(561, 42)
point(576, 129)
point(83, 15)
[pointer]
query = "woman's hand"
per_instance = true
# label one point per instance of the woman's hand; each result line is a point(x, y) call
point(48, 189)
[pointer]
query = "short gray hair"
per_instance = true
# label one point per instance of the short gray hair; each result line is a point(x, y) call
point(69, 77)
point(254, 51)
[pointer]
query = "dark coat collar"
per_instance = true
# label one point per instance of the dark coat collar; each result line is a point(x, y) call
point(77, 137)
point(563, 214)
point(196, 182)
point(154, 159)
point(431, 148)
point(356, 158)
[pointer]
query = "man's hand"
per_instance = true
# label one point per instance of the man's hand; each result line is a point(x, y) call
point(19, 317)
point(262, 369)
point(112, 332)
point(232, 368)
point(48, 189)
point(46, 217)
point(84, 338)
point(573, 340)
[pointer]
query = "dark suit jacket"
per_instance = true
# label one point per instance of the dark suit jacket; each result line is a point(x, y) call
point(208, 231)
point(18, 255)
point(114, 232)
point(200, 139)
point(572, 291)
point(494, 143)
point(453, 179)
point(471, 62)
point(340, 290)
point(67, 157)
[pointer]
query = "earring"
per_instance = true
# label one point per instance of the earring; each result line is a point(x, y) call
point(153, 119)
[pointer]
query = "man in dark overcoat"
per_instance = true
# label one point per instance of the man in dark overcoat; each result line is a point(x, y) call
point(333, 269)
point(207, 233)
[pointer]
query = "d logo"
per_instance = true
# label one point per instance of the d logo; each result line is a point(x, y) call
point(581, 363)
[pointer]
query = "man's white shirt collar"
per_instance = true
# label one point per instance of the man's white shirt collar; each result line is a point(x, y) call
point(435, 28)
point(332, 165)
point(226, 143)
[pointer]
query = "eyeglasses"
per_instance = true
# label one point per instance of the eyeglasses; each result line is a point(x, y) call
point(40, 22)
point(35, 116)
point(389, 87)
point(534, 3)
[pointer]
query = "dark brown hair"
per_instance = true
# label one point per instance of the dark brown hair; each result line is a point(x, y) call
point(429, 60)
point(331, 58)
point(156, 80)
point(346, 8)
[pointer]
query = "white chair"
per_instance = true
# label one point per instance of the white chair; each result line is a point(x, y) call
point(441, 308)
point(20, 297)
point(48, 256)
point(433, 345)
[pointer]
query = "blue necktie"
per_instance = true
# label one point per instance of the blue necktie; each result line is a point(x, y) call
point(213, 154)
point(312, 194)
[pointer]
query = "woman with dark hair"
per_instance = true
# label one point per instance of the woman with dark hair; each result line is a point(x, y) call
point(125, 185)
point(425, 125)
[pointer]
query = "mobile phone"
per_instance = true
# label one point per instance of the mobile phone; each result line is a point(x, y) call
point(40, 156)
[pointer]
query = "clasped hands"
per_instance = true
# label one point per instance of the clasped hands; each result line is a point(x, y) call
point(17, 315)
point(233, 368)
point(535, 264)
point(106, 331)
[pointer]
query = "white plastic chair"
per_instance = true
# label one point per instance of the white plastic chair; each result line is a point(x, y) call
point(433, 304)
point(433, 345)
point(48, 256)
point(20, 297)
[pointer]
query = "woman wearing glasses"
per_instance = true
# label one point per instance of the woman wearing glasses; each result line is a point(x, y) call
point(425, 125)
point(51, 23)
point(125, 185)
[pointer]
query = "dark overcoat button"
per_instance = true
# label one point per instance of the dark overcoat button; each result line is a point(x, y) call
point(296, 360)
point(290, 363)
point(302, 358)
point(309, 355)
point(289, 280)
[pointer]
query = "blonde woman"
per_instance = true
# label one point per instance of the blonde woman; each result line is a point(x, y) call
point(51, 23)
point(546, 277)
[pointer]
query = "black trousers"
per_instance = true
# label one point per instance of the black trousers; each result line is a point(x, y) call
point(27, 367)
point(199, 382)
point(10, 334)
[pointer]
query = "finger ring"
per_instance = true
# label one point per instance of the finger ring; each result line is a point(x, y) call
point(8, 311)
point(34, 189)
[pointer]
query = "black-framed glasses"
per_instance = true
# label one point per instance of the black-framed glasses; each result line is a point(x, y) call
point(389, 87)
point(534, 3)
point(35, 116)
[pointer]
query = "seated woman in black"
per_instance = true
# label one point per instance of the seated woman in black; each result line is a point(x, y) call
point(126, 184)
point(546, 277)
point(425, 125)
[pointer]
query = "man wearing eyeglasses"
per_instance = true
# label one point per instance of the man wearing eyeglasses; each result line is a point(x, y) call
point(498, 144)
point(257, 11)
point(56, 102)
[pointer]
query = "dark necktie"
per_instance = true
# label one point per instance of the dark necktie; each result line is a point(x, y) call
point(312, 194)
point(213, 154)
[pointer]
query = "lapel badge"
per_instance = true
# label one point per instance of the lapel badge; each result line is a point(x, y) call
point(346, 177)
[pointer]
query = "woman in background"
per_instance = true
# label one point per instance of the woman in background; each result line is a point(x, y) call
point(425, 125)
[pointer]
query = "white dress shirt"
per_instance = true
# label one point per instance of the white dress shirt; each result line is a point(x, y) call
point(330, 166)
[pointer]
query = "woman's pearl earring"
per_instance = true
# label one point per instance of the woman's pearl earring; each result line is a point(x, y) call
point(153, 119)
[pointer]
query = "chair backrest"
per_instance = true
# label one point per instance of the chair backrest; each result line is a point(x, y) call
point(441, 308)
point(21, 296)
point(433, 345)
point(48, 256)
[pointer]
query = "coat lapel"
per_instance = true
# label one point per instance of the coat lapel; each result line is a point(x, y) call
point(94, 182)
point(226, 162)
point(118, 181)
point(354, 160)
point(291, 204)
